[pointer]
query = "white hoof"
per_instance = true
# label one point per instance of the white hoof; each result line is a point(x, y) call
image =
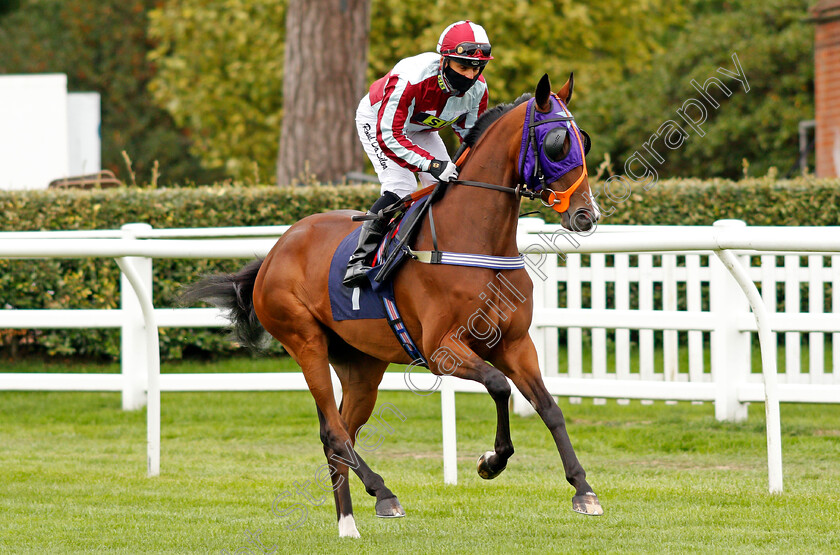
point(347, 527)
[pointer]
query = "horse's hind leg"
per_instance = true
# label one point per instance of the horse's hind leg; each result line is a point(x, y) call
point(340, 487)
point(307, 343)
point(519, 362)
point(360, 376)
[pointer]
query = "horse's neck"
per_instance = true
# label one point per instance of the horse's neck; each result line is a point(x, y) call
point(475, 220)
point(483, 221)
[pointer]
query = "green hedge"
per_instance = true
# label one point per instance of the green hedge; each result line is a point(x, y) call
point(94, 283)
point(762, 201)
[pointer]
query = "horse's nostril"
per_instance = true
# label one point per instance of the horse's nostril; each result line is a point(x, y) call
point(582, 220)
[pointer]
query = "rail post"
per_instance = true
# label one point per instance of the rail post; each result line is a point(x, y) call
point(730, 346)
point(449, 434)
point(537, 262)
point(133, 348)
point(773, 424)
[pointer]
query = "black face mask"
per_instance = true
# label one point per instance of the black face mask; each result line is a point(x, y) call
point(457, 81)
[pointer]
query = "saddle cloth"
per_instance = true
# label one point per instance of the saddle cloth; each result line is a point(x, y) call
point(367, 302)
point(377, 300)
point(358, 303)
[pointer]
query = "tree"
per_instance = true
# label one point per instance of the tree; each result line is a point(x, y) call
point(220, 74)
point(8, 6)
point(775, 48)
point(600, 38)
point(326, 58)
point(220, 63)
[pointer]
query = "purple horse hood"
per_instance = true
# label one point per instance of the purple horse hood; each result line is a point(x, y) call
point(537, 169)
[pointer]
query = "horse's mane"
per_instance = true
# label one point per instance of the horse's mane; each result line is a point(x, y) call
point(491, 115)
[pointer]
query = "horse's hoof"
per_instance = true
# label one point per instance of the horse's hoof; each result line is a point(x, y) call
point(587, 504)
point(389, 508)
point(484, 469)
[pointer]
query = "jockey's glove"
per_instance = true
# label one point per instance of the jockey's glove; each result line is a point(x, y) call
point(443, 170)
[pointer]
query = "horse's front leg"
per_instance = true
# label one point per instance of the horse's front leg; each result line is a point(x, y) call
point(519, 362)
point(458, 360)
point(492, 463)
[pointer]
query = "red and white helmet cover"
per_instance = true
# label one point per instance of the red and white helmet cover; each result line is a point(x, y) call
point(465, 40)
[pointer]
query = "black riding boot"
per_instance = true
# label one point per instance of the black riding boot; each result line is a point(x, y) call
point(372, 231)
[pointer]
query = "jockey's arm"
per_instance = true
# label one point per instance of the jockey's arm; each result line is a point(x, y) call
point(394, 113)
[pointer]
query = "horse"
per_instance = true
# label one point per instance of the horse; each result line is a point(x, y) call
point(286, 294)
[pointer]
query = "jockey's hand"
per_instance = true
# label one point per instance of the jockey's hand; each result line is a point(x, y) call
point(443, 170)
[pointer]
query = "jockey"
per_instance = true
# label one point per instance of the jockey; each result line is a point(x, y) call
point(399, 119)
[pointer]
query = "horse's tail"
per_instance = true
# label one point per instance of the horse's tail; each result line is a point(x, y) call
point(232, 293)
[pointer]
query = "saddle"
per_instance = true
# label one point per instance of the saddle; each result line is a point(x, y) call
point(406, 217)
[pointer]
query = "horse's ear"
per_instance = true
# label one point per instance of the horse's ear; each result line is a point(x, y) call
point(565, 92)
point(542, 93)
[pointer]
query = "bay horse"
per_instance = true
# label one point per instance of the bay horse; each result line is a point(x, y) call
point(286, 295)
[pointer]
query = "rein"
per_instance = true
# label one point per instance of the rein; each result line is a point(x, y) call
point(460, 158)
point(519, 191)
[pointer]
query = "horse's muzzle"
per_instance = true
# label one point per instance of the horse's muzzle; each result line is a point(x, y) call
point(583, 219)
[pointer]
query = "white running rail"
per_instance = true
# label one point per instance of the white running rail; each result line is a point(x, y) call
point(694, 285)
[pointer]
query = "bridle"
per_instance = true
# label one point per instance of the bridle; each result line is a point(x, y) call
point(534, 185)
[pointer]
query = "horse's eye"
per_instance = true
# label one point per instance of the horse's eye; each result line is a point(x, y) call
point(554, 144)
point(587, 142)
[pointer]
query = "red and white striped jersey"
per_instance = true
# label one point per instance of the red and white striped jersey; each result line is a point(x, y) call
point(413, 98)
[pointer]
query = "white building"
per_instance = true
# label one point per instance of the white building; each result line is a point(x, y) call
point(46, 133)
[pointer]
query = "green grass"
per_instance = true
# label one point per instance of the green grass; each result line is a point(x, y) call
point(671, 478)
